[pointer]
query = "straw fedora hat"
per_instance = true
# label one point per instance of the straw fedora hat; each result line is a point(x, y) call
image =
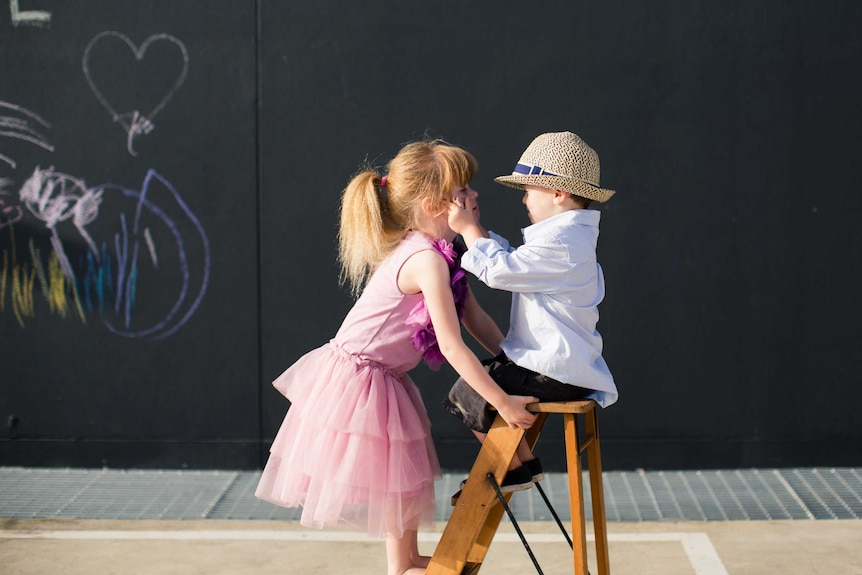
point(559, 161)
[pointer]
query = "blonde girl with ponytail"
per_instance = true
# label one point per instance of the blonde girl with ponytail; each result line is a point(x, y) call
point(355, 445)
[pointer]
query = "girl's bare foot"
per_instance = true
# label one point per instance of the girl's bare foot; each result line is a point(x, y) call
point(421, 561)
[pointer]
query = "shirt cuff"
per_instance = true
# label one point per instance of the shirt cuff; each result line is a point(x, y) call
point(478, 257)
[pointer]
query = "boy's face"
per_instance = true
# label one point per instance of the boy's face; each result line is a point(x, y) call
point(541, 203)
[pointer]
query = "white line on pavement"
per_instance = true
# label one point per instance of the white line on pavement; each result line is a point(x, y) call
point(698, 547)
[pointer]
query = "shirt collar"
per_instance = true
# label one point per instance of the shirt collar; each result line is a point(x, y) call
point(570, 217)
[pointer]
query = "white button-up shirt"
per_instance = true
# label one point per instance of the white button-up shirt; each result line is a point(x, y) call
point(556, 286)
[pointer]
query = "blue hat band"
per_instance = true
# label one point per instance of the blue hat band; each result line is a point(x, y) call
point(532, 170)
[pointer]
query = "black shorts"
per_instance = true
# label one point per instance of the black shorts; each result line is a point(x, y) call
point(464, 403)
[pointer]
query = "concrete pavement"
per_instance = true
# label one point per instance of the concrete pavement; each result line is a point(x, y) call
point(106, 547)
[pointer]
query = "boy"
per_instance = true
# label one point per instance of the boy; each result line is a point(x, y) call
point(552, 350)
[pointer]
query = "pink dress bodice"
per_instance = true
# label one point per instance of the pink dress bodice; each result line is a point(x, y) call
point(377, 328)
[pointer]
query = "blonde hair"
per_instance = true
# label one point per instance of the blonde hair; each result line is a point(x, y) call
point(374, 220)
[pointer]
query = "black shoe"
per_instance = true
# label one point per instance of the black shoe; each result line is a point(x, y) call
point(535, 467)
point(455, 496)
point(517, 479)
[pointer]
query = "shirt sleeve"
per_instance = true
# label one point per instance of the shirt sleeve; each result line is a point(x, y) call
point(504, 243)
point(535, 268)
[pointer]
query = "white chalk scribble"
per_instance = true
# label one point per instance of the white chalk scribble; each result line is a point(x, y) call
point(18, 123)
point(28, 17)
point(134, 122)
point(54, 198)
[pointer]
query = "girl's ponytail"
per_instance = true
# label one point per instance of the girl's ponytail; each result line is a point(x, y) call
point(365, 233)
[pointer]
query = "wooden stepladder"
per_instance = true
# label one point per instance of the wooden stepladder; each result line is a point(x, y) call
point(477, 512)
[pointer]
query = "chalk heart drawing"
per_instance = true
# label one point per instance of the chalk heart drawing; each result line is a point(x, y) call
point(135, 121)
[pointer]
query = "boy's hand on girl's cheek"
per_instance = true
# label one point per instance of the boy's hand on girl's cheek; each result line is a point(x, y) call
point(471, 206)
point(459, 216)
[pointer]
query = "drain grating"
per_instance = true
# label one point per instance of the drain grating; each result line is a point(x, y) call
point(721, 495)
point(111, 494)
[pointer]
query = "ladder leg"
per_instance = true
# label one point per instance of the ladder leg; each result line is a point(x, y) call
point(594, 461)
point(483, 542)
point(474, 513)
point(576, 494)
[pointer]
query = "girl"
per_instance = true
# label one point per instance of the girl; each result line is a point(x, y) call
point(356, 443)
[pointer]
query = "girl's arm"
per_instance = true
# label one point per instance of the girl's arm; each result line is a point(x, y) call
point(427, 271)
point(480, 325)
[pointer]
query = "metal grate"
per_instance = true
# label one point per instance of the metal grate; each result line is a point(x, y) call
point(239, 502)
point(111, 494)
point(721, 495)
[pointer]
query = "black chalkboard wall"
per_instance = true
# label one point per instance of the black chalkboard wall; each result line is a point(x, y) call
point(170, 174)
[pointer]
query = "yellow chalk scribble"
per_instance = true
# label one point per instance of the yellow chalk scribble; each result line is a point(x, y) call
point(22, 293)
point(21, 281)
point(36, 258)
point(59, 287)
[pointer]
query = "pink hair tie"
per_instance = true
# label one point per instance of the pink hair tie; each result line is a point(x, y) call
point(383, 181)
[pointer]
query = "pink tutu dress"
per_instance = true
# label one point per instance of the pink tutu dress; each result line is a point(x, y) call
point(355, 445)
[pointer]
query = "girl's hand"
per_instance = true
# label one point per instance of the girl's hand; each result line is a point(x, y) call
point(514, 411)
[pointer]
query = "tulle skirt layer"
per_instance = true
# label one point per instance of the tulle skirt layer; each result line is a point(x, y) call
point(355, 446)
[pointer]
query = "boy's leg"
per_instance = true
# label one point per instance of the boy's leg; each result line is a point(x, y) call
point(465, 403)
point(523, 453)
point(471, 408)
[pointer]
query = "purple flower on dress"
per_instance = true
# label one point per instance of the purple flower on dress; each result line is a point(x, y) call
point(433, 358)
point(419, 316)
point(457, 274)
point(447, 250)
point(424, 339)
